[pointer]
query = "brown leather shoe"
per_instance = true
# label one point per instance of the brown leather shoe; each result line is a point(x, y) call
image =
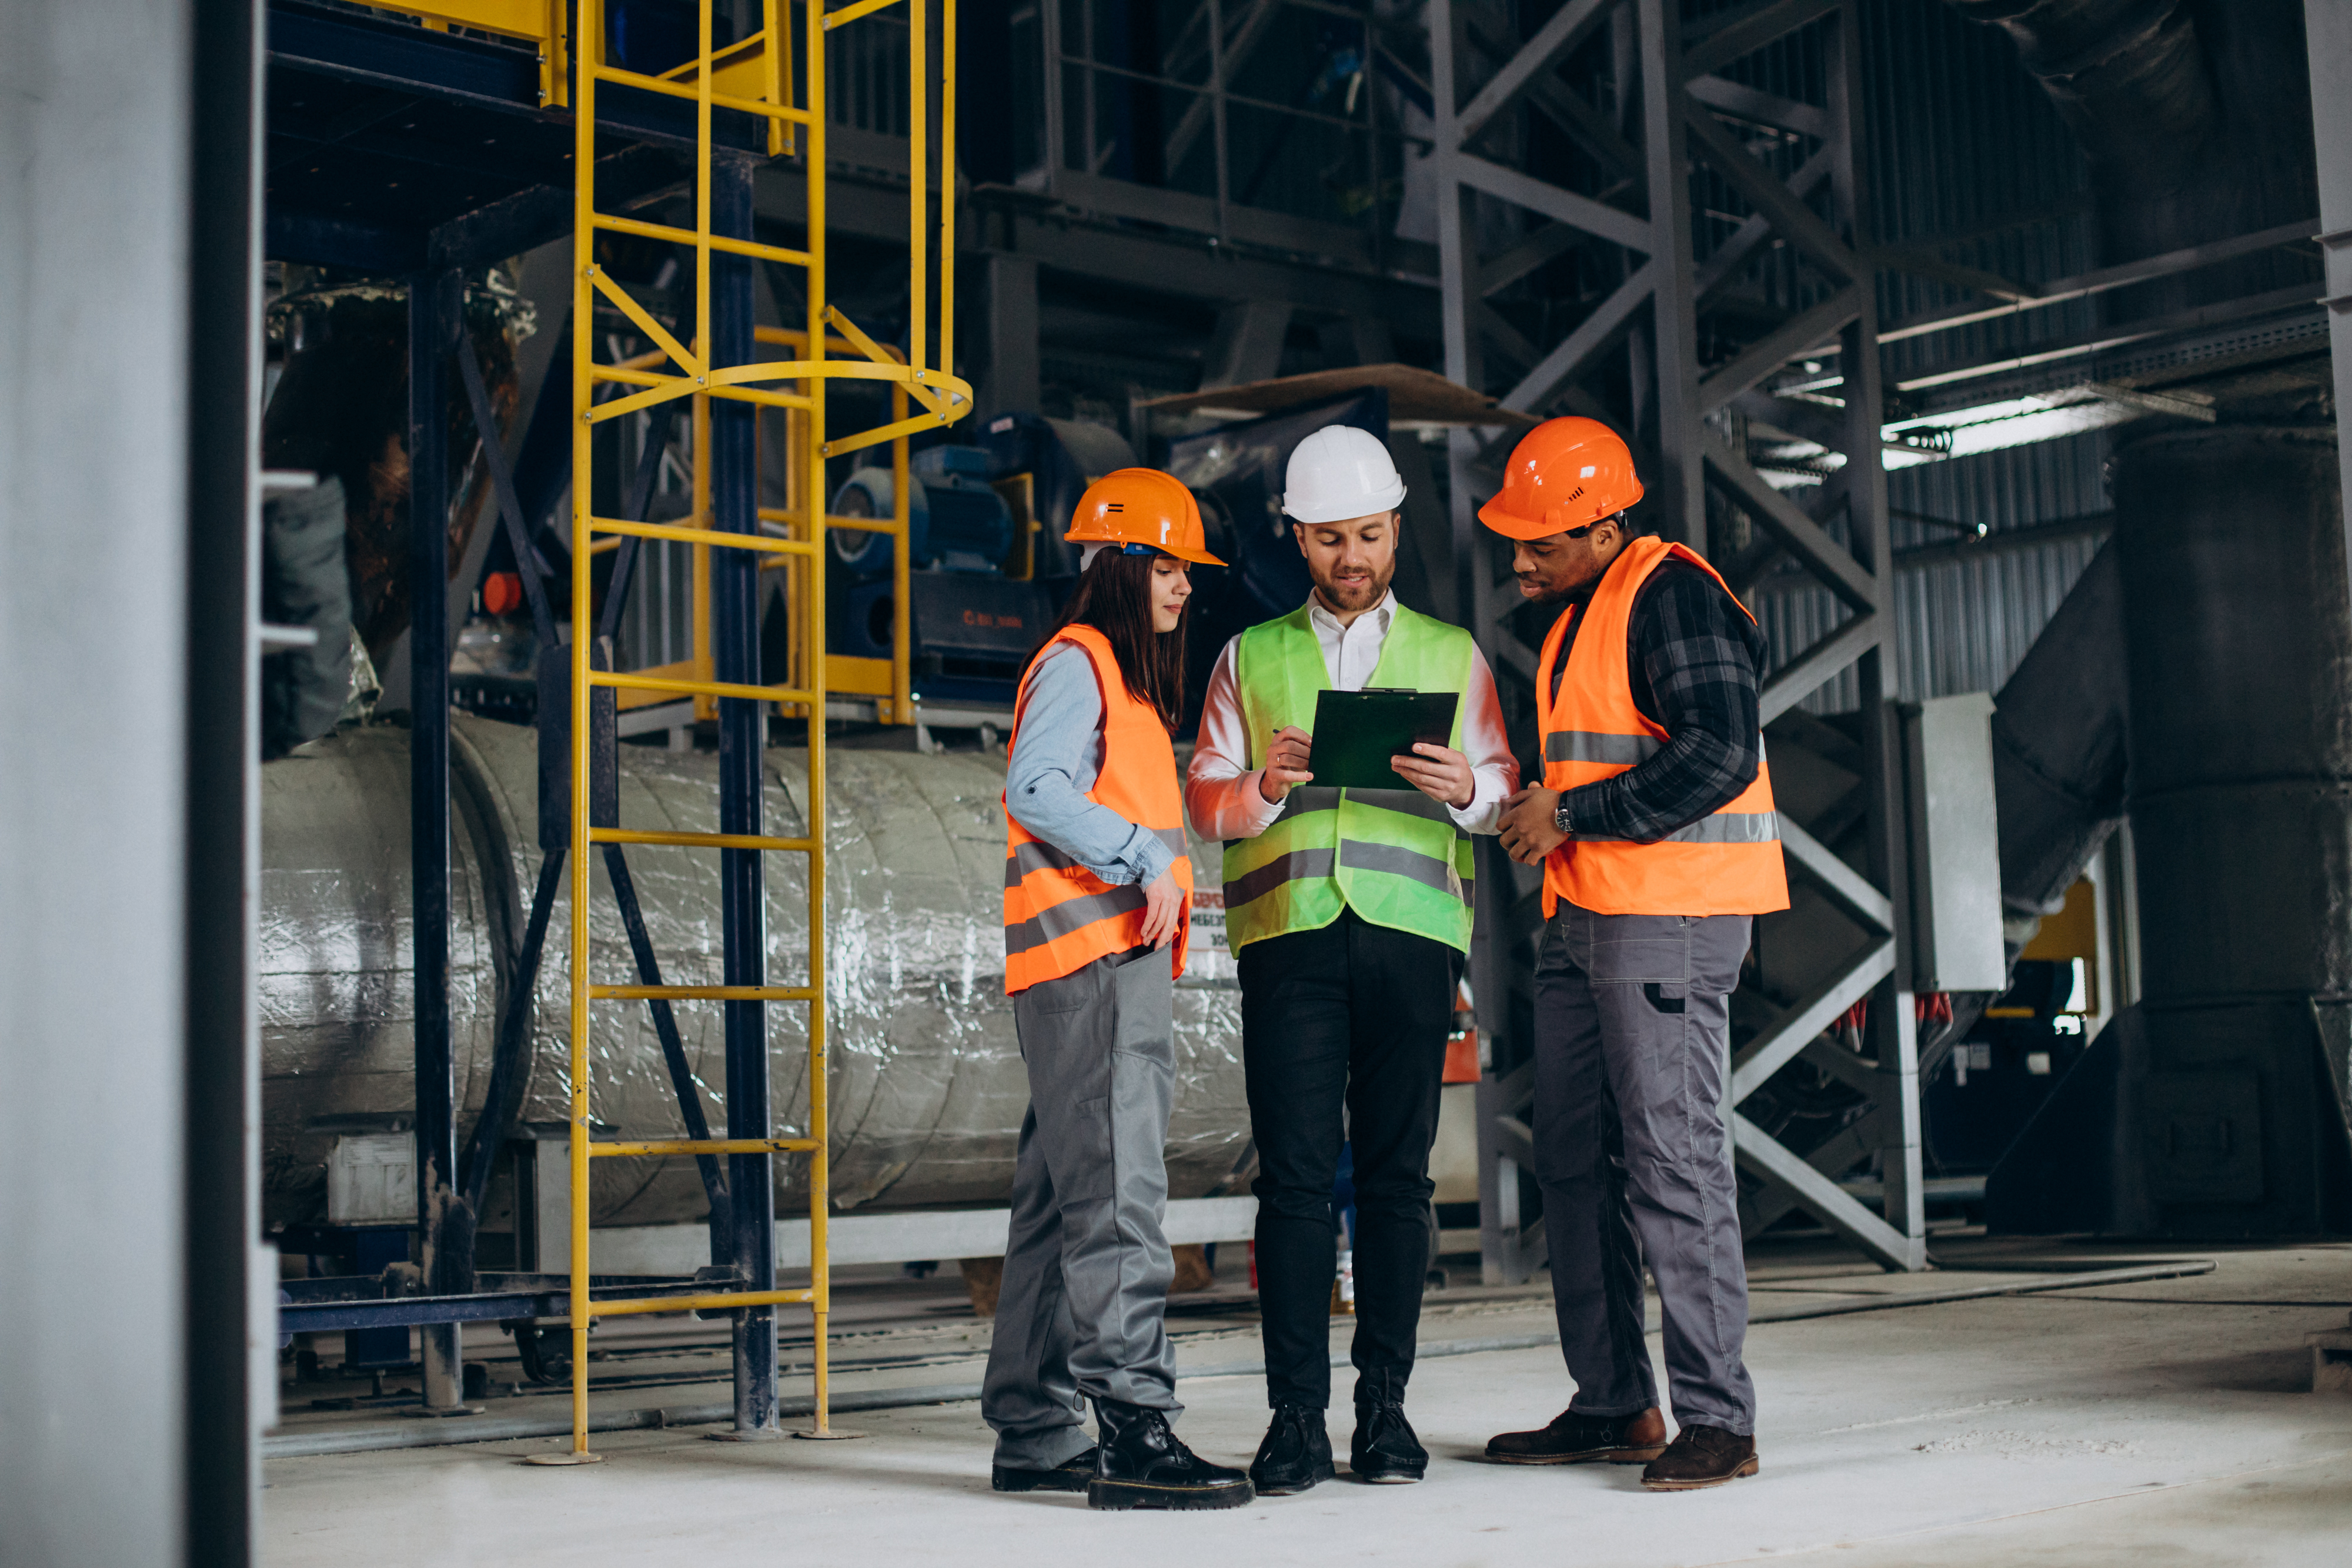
point(1701, 1457)
point(1574, 1439)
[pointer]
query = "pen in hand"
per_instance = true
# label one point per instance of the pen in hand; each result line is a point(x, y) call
point(1285, 764)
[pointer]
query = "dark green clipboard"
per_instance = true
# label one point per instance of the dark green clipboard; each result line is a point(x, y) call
point(1355, 733)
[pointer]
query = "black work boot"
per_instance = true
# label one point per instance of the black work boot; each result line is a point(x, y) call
point(1385, 1451)
point(1140, 1464)
point(1296, 1455)
point(1576, 1439)
point(1070, 1475)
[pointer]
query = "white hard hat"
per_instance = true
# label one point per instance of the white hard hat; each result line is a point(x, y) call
point(1341, 472)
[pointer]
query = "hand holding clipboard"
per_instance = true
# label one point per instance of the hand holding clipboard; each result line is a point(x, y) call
point(1373, 739)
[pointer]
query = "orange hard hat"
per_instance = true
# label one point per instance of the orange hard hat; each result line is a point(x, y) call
point(1565, 473)
point(1142, 509)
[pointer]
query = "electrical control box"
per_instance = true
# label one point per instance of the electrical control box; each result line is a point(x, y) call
point(372, 1179)
point(1955, 846)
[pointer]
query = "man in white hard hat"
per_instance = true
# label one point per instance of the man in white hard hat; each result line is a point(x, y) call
point(1348, 913)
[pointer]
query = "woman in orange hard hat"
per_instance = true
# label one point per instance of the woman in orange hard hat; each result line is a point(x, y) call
point(1659, 845)
point(1097, 895)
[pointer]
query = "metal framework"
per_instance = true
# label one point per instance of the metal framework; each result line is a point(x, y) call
point(718, 370)
point(1636, 361)
point(1188, 106)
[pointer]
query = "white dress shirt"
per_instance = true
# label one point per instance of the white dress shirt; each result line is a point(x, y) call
point(1222, 789)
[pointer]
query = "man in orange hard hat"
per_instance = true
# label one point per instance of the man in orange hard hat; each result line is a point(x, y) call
point(1659, 845)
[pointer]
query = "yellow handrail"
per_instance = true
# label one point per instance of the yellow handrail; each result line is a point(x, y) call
point(676, 366)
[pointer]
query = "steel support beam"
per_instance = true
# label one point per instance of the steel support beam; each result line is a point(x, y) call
point(1015, 375)
point(231, 1391)
point(1891, 1032)
point(743, 739)
point(2328, 40)
point(1649, 324)
point(1670, 423)
point(435, 323)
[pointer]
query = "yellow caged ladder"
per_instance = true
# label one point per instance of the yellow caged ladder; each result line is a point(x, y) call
point(755, 77)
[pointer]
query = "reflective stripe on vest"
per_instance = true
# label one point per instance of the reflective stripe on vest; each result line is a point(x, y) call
point(1058, 916)
point(1393, 856)
point(1727, 863)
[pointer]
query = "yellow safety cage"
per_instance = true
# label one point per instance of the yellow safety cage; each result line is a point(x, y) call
point(755, 75)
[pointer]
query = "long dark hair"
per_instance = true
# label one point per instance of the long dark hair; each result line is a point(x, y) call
point(1114, 597)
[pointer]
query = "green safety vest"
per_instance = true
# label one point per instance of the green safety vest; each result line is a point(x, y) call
point(1393, 856)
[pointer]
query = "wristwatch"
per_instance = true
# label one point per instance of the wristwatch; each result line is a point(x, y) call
point(1559, 817)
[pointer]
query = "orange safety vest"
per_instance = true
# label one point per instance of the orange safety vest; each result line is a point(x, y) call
point(1726, 864)
point(1058, 916)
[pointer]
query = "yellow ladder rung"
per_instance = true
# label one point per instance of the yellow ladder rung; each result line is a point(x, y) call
point(694, 95)
point(701, 1303)
point(627, 682)
point(718, 539)
point(701, 993)
point(793, 520)
point(848, 13)
point(704, 1146)
point(676, 235)
point(699, 840)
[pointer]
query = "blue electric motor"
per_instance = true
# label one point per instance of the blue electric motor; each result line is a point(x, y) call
point(956, 522)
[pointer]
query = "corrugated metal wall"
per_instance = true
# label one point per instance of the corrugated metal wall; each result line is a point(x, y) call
point(1962, 622)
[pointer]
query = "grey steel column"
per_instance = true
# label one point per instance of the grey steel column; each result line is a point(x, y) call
point(1013, 374)
point(742, 726)
point(1893, 1026)
point(1501, 1261)
point(96, 520)
point(1678, 482)
point(232, 1381)
point(2328, 31)
point(435, 317)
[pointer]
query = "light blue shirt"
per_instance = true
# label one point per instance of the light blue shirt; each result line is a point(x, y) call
point(1057, 754)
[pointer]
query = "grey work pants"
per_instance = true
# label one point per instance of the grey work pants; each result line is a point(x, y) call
point(1631, 1042)
point(1081, 1314)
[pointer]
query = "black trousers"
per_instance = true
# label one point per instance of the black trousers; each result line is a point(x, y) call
point(1355, 1014)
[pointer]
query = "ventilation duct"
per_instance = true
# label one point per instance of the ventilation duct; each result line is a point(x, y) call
point(2128, 75)
point(2059, 753)
point(2215, 1107)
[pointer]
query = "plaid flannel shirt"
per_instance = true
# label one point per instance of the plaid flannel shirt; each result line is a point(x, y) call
point(1694, 659)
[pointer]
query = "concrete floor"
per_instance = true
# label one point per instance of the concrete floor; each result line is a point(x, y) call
point(2159, 1423)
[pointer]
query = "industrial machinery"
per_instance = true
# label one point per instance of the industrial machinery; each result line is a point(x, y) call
point(977, 610)
point(987, 564)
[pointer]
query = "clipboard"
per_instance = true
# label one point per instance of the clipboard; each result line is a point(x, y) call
point(1355, 733)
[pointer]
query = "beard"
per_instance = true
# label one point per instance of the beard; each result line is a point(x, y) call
point(1361, 594)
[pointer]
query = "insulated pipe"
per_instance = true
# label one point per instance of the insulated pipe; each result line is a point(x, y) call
point(928, 1085)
